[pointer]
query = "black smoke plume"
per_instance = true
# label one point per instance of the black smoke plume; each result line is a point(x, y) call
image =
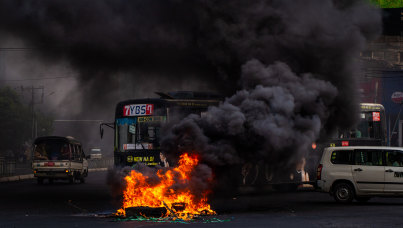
point(288, 67)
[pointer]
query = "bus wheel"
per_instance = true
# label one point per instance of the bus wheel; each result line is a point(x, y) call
point(82, 180)
point(50, 181)
point(40, 180)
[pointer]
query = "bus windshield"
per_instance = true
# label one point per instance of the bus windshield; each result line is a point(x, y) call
point(368, 127)
point(52, 150)
point(135, 133)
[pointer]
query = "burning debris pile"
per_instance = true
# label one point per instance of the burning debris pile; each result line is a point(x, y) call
point(166, 192)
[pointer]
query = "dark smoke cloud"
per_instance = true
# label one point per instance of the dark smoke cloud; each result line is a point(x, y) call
point(297, 84)
point(276, 117)
point(173, 38)
point(288, 67)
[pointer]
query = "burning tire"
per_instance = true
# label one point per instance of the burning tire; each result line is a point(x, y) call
point(146, 211)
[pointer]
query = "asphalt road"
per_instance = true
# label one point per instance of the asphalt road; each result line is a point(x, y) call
point(26, 204)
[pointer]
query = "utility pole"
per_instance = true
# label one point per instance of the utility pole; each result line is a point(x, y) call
point(33, 89)
point(33, 102)
point(2, 64)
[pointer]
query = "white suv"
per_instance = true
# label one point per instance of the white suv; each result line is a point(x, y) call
point(361, 172)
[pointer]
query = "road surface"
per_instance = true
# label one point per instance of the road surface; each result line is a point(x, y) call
point(26, 204)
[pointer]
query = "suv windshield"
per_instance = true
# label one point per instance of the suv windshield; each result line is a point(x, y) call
point(52, 150)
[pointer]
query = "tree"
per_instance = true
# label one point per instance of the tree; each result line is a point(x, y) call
point(16, 123)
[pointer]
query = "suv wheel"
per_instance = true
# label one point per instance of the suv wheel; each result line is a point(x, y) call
point(362, 199)
point(343, 192)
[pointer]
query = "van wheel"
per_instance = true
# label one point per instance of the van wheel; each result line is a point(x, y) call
point(343, 192)
point(40, 180)
point(72, 180)
point(362, 199)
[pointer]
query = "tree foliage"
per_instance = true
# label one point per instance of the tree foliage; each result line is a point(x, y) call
point(388, 3)
point(16, 123)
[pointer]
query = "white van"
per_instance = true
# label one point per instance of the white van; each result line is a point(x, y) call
point(361, 172)
point(59, 158)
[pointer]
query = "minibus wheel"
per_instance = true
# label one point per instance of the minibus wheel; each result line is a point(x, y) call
point(343, 192)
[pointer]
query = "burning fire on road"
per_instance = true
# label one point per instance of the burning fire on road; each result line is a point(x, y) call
point(167, 195)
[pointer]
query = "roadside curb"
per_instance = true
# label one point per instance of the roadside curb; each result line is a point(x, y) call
point(16, 178)
point(31, 176)
point(97, 169)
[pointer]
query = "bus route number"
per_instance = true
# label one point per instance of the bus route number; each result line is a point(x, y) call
point(138, 110)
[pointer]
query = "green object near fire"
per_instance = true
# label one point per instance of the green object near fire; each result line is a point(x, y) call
point(170, 220)
point(388, 3)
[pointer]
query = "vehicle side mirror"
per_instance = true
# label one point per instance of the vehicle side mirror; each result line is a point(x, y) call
point(101, 129)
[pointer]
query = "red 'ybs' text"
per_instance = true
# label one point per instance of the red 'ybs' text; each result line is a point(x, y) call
point(138, 110)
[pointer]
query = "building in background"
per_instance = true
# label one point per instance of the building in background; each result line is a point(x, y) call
point(383, 69)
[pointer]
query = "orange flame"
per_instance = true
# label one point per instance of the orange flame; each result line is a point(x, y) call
point(141, 193)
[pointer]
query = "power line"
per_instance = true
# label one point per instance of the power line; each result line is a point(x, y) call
point(34, 79)
point(16, 49)
point(78, 120)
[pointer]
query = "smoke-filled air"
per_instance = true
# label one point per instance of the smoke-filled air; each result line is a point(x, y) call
point(288, 68)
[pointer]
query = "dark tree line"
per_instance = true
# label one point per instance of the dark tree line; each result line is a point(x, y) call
point(16, 125)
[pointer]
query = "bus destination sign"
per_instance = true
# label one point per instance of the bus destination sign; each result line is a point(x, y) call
point(138, 110)
point(376, 116)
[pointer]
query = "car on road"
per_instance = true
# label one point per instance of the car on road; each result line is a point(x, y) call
point(361, 172)
point(58, 157)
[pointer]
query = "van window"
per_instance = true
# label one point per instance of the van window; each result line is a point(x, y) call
point(368, 157)
point(77, 153)
point(394, 158)
point(52, 150)
point(73, 152)
point(341, 157)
